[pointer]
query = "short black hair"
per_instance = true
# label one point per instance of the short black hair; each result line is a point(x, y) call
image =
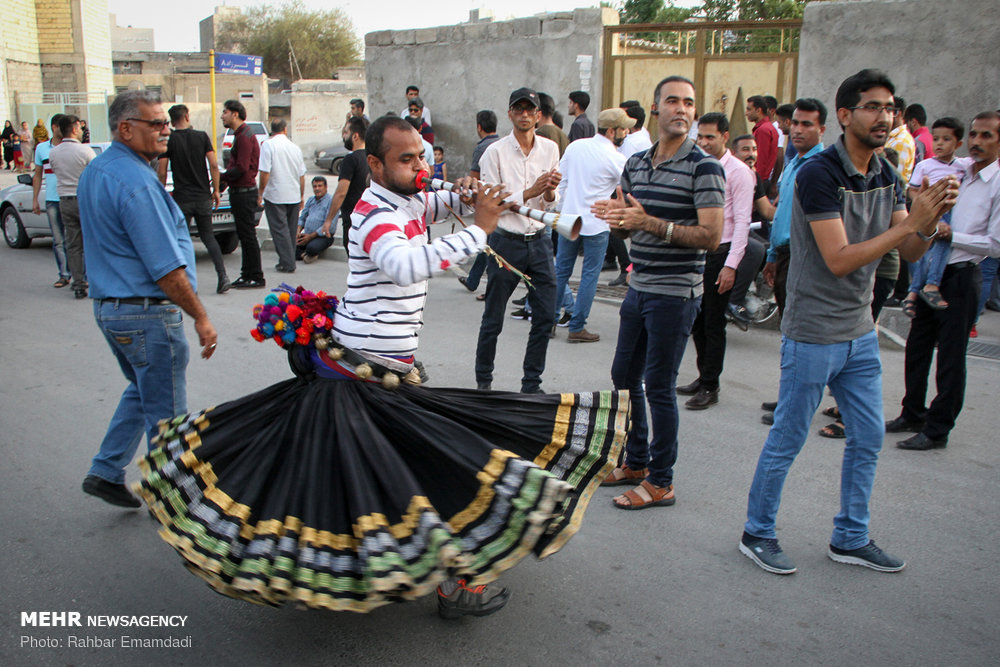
point(849, 92)
point(177, 113)
point(891, 155)
point(358, 102)
point(319, 179)
point(717, 119)
point(557, 119)
point(374, 138)
point(900, 102)
point(952, 124)
point(785, 111)
point(581, 98)
point(772, 101)
point(54, 121)
point(357, 125)
point(438, 148)
point(987, 115)
point(546, 105)
point(236, 107)
point(413, 88)
point(742, 137)
point(629, 103)
point(66, 124)
point(812, 104)
point(758, 102)
point(637, 112)
point(487, 120)
point(915, 112)
point(278, 125)
point(674, 78)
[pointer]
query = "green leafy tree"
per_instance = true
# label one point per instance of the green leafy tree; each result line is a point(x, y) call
point(322, 40)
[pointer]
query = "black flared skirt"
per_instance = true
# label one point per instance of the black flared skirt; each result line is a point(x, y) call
point(343, 495)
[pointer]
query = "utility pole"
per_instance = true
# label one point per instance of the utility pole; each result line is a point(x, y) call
point(293, 60)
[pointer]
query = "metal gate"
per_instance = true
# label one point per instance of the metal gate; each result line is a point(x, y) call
point(91, 107)
point(727, 60)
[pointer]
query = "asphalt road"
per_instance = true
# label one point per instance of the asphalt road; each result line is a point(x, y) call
point(662, 586)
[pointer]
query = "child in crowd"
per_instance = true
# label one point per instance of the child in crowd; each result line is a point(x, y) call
point(925, 274)
point(440, 168)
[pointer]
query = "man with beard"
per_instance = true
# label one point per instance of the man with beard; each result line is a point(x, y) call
point(352, 179)
point(241, 179)
point(849, 211)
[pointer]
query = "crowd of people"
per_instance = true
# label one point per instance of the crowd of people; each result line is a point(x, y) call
point(703, 213)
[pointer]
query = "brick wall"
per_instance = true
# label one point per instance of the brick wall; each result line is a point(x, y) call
point(55, 26)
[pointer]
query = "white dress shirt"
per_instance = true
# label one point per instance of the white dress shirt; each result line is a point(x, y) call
point(975, 220)
point(591, 170)
point(637, 142)
point(282, 160)
point(505, 163)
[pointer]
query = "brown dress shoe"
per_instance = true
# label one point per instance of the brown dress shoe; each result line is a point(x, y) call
point(582, 336)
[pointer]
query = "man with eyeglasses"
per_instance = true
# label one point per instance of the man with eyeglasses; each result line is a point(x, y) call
point(526, 165)
point(141, 265)
point(848, 212)
point(68, 160)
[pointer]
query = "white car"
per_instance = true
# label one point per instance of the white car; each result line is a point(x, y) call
point(20, 225)
point(260, 134)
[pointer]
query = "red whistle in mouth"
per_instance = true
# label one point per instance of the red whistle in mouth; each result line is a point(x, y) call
point(422, 179)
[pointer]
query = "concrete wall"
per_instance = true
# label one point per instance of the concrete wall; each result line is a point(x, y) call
point(74, 45)
point(942, 55)
point(127, 38)
point(461, 69)
point(319, 109)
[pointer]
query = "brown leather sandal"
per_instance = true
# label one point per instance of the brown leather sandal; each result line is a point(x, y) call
point(624, 475)
point(646, 495)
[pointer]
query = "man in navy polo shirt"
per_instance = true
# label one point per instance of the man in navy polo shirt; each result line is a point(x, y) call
point(140, 263)
point(848, 212)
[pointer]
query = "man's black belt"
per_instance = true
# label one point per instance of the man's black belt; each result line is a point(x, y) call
point(960, 265)
point(252, 188)
point(67, 196)
point(521, 237)
point(139, 301)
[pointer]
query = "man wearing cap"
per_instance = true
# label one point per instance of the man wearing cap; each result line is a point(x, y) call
point(528, 167)
point(591, 170)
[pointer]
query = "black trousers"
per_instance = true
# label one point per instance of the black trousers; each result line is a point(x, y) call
point(782, 258)
point(709, 330)
point(534, 258)
point(618, 252)
point(201, 211)
point(751, 264)
point(244, 206)
point(947, 329)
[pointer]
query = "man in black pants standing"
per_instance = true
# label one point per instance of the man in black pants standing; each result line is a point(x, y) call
point(241, 178)
point(187, 152)
point(974, 234)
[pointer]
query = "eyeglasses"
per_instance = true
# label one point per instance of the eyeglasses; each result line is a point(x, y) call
point(876, 109)
point(517, 111)
point(157, 124)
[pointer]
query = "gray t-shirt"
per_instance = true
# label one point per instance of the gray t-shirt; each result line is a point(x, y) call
point(822, 308)
point(68, 161)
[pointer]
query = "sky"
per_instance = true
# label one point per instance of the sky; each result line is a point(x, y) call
point(176, 23)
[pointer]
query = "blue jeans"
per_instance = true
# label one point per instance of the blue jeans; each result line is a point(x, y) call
point(58, 238)
point(476, 272)
point(594, 248)
point(853, 371)
point(148, 343)
point(929, 268)
point(652, 335)
point(989, 269)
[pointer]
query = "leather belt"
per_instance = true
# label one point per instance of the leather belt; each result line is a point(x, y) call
point(239, 191)
point(521, 237)
point(139, 301)
point(960, 265)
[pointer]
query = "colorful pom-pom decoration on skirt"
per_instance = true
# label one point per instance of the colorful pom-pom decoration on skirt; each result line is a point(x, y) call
point(345, 495)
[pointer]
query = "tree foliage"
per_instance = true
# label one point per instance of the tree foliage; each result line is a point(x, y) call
point(323, 40)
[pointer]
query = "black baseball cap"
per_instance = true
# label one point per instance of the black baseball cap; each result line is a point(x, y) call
point(524, 94)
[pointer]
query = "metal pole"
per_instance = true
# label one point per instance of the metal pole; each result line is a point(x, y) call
point(211, 79)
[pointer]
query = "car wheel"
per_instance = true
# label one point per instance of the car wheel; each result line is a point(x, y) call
point(13, 230)
point(335, 165)
point(228, 241)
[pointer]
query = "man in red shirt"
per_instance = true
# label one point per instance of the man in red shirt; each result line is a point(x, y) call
point(764, 134)
point(915, 118)
point(241, 179)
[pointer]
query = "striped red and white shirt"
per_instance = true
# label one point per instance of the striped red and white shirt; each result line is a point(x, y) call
point(390, 262)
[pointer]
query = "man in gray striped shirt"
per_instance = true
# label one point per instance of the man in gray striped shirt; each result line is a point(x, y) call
point(670, 201)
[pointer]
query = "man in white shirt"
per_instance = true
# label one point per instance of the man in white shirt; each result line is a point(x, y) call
point(638, 139)
point(527, 166)
point(282, 185)
point(68, 160)
point(591, 170)
point(974, 234)
point(709, 330)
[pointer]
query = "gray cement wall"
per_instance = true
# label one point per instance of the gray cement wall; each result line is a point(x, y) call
point(461, 69)
point(944, 56)
point(319, 110)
